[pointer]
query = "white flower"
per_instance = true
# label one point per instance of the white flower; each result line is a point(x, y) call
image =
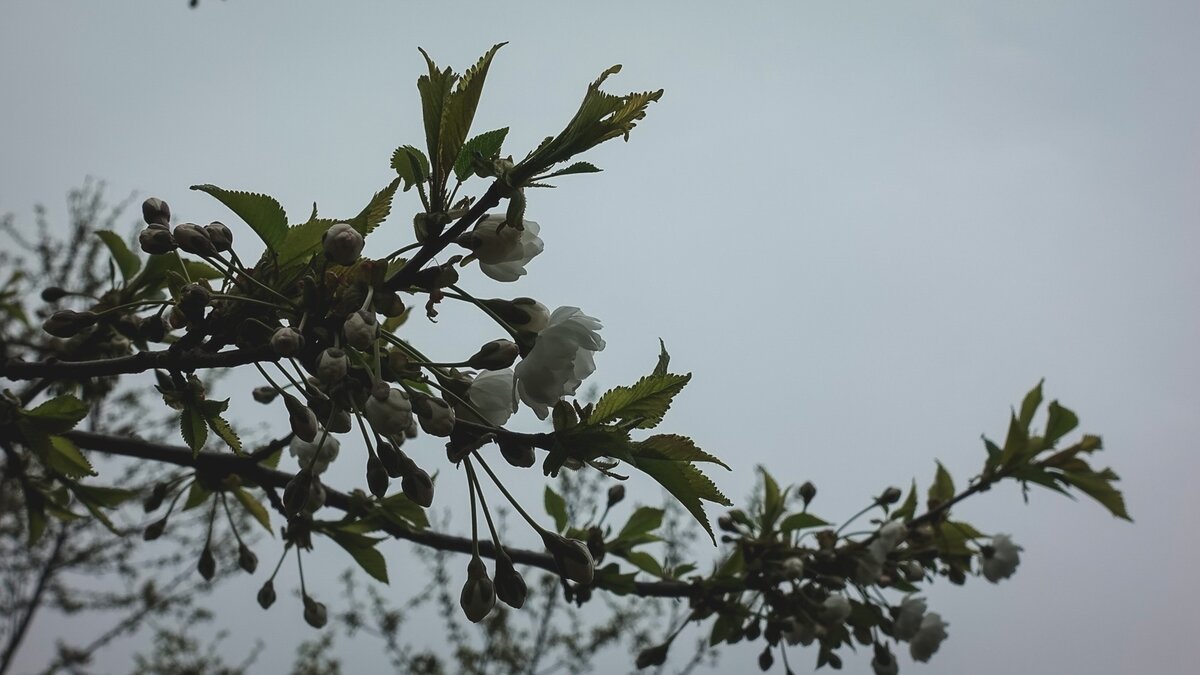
point(837, 608)
point(436, 416)
point(802, 633)
point(793, 568)
point(305, 452)
point(908, 620)
point(560, 360)
point(491, 395)
point(871, 565)
point(1004, 558)
point(928, 638)
point(503, 252)
point(391, 416)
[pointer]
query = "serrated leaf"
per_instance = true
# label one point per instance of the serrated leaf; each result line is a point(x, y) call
point(1030, 405)
point(197, 495)
point(1016, 443)
point(909, 507)
point(197, 271)
point(57, 415)
point(644, 520)
point(376, 210)
point(411, 165)
point(193, 428)
point(126, 260)
point(62, 456)
point(263, 214)
point(577, 167)
point(254, 508)
point(675, 447)
point(226, 433)
point(106, 497)
point(1060, 422)
point(664, 359)
point(643, 561)
point(1099, 486)
point(686, 483)
point(800, 521)
point(486, 144)
point(403, 511)
point(556, 508)
point(643, 405)
point(299, 244)
point(942, 489)
point(362, 549)
point(459, 112)
point(611, 579)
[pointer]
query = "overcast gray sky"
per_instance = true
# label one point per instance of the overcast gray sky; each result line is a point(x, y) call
point(866, 228)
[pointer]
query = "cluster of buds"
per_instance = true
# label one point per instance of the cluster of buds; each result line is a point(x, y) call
point(158, 238)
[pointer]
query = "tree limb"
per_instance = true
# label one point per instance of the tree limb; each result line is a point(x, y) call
point(141, 362)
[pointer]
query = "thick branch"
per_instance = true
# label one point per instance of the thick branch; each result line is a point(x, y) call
point(141, 362)
point(223, 465)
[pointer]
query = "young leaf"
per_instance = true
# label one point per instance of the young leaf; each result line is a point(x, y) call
point(376, 210)
point(254, 508)
point(298, 245)
point(1030, 405)
point(577, 167)
point(486, 144)
point(556, 508)
point(1060, 423)
point(106, 497)
point(664, 359)
point(197, 495)
point(1098, 486)
point(686, 483)
point(675, 447)
point(193, 428)
point(61, 455)
point(458, 113)
point(126, 260)
point(263, 214)
point(225, 432)
point(643, 561)
point(362, 549)
point(643, 521)
point(411, 165)
point(644, 404)
point(800, 521)
point(909, 507)
point(942, 489)
point(57, 415)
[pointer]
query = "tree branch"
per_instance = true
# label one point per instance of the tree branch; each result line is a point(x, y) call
point(35, 601)
point(221, 465)
point(141, 362)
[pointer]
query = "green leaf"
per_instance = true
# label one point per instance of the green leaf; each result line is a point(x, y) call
point(486, 144)
point(1098, 486)
point(193, 428)
point(723, 628)
point(1060, 423)
point(225, 432)
point(601, 116)
point(643, 405)
point(106, 497)
point(254, 508)
point(577, 167)
point(643, 561)
point(942, 489)
point(299, 244)
point(459, 112)
point(61, 455)
point(57, 415)
point(556, 507)
point(435, 88)
point(1016, 443)
point(686, 483)
point(411, 165)
point(362, 549)
point(773, 500)
point(675, 447)
point(643, 521)
point(126, 260)
point(197, 270)
point(401, 510)
point(664, 359)
point(611, 579)
point(197, 495)
point(800, 521)
point(1030, 405)
point(909, 507)
point(376, 211)
point(263, 214)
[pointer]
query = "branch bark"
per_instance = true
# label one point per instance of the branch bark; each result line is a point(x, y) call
point(141, 362)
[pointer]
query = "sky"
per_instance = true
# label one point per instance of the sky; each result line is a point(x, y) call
point(866, 229)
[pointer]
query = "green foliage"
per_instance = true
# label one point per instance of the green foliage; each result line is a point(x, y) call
point(556, 508)
point(362, 549)
point(411, 165)
point(641, 406)
point(126, 260)
point(263, 214)
point(480, 150)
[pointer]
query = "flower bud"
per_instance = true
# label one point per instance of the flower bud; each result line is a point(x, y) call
point(793, 568)
point(521, 314)
point(193, 299)
point(287, 342)
point(516, 451)
point(53, 294)
point(653, 656)
point(301, 417)
point(176, 318)
point(220, 235)
point(510, 585)
point(391, 415)
point(616, 493)
point(295, 494)
point(478, 594)
point(315, 455)
point(342, 244)
point(155, 241)
point(266, 594)
point(766, 659)
point(332, 366)
point(377, 477)
point(340, 422)
point(360, 329)
point(153, 328)
point(890, 496)
point(314, 613)
point(389, 303)
point(495, 355)
point(156, 497)
point(389, 457)
point(571, 557)
point(207, 566)
point(807, 492)
point(192, 239)
point(418, 487)
point(913, 571)
point(66, 323)
point(265, 394)
point(836, 608)
point(246, 559)
point(884, 662)
point(154, 530)
point(436, 416)
point(156, 211)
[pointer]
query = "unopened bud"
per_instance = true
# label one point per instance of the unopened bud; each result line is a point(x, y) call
point(153, 328)
point(66, 323)
point(807, 492)
point(616, 493)
point(890, 496)
point(521, 314)
point(510, 585)
point(913, 571)
point(516, 451)
point(360, 329)
point(301, 418)
point(340, 422)
point(342, 244)
point(377, 477)
point(495, 355)
point(156, 497)
point(389, 304)
point(390, 456)
point(220, 235)
point(478, 595)
point(156, 241)
point(653, 656)
point(332, 366)
point(571, 557)
point(266, 594)
point(193, 299)
point(436, 416)
point(314, 613)
point(418, 487)
point(193, 239)
point(391, 415)
point(246, 559)
point(265, 394)
point(207, 566)
point(176, 318)
point(53, 294)
point(766, 659)
point(287, 341)
point(156, 211)
point(154, 530)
